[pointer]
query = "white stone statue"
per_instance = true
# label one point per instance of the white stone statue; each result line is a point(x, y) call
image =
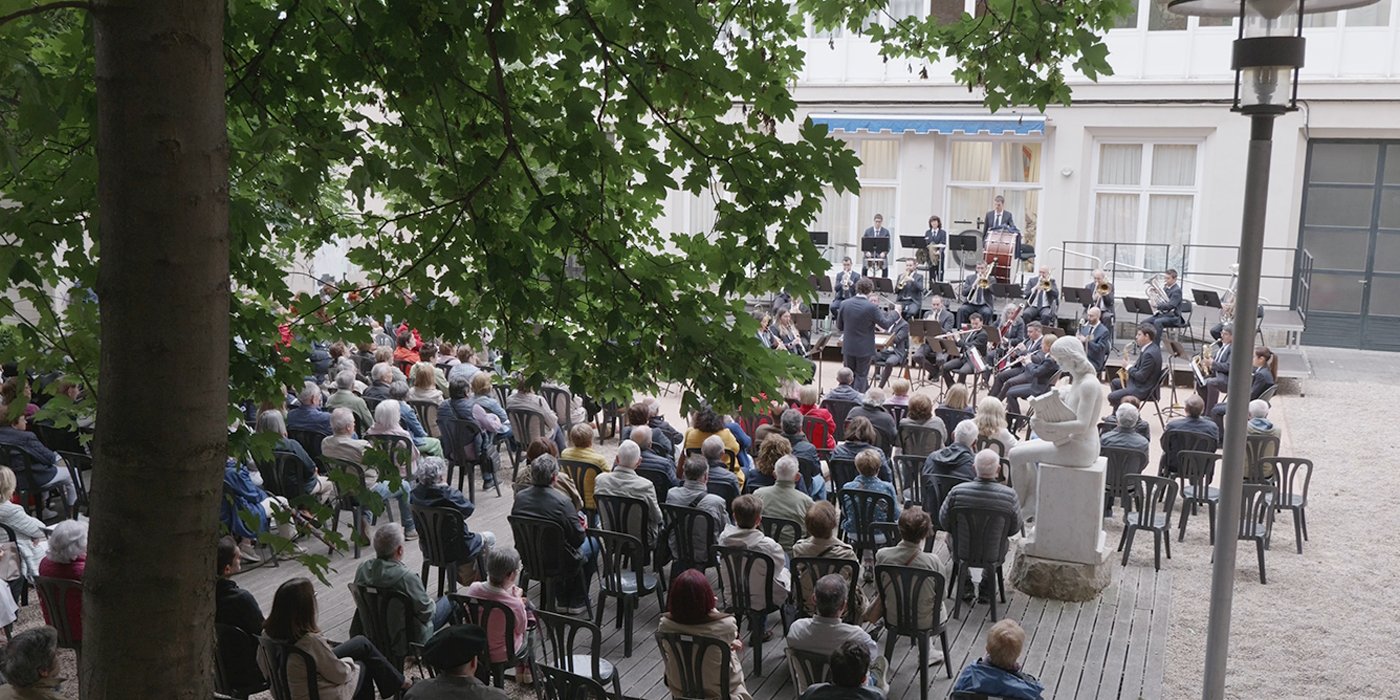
point(1066, 443)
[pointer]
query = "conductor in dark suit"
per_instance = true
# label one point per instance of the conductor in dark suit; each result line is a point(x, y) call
point(1143, 376)
point(909, 290)
point(1098, 342)
point(1167, 313)
point(857, 321)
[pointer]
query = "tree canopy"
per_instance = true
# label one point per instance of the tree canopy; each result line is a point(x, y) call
point(499, 165)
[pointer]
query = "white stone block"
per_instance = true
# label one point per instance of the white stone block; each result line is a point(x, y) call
point(1069, 514)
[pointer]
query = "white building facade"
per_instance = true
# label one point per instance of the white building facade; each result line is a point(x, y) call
point(1146, 169)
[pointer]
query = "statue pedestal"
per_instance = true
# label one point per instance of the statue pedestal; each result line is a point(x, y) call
point(1065, 556)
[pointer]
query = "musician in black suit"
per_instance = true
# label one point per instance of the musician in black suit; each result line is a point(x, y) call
point(1039, 375)
point(976, 338)
point(1101, 301)
point(1042, 294)
point(929, 356)
point(935, 235)
point(1144, 374)
point(1218, 375)
point(1012, 331)
point(1016, 353)
point(1261, 380)
point(909, 290)
point(894, 354)
point(876, 260)
point(976, 299)
point(1168, 311)
point(1097, 339)
point(857, 322)
point(998, 218)
point(844, 286)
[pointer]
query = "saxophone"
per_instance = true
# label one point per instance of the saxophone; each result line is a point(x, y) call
point(1123, 371)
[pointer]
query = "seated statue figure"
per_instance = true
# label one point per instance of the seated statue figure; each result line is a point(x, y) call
point(1067, 443)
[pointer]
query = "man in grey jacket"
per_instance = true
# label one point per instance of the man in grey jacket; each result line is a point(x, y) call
point(984, 493)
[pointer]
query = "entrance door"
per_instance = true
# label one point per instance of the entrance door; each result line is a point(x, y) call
point(1351, 226)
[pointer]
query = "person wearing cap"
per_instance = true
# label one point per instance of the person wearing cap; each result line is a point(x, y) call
point(454, 651)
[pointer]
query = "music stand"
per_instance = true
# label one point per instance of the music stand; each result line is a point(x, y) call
point(820, 239)
point(1076, 295)
point(944, 290)
point(1205, 297)
point(1138, 306)
point(1007, 290)
point(817, 352)
point(914, 242)
point(1176, 351)
point(959, 243)
point(884, 285)
point(875, 246)
point(821, 283)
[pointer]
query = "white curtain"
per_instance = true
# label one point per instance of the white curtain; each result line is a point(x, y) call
point(1120, 164)
point(1168, 221)
point(702, 211)
point(879, 159)
point(966, 204)
point(1116, 221)
point(1020, 162)
point(835, 215)
point(899, 9)
point(972, 161)
point(877, 200)
point(1174, 165)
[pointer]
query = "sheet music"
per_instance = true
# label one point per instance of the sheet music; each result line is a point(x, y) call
point(1051, 407)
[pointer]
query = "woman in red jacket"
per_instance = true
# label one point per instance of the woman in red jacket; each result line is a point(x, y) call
point(807, 404)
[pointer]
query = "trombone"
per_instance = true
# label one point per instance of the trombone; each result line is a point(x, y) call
point(981, 284)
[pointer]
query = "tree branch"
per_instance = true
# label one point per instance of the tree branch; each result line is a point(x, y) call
point(37, 9)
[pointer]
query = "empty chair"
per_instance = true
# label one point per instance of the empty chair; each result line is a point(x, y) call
point(1147, 505)
point(901, 588)
point(1290, 495)
point(623, 561)
point(741, 568)
point(342, 472)
point(282, 475)
point(557, 684)
point(630, 516)
point(1257, 518)
point(978, 539)
point(559, 647)
point(1196, 470)
point(399, 448)
point(493, 614)
point(1122, 462)
point(235, 672)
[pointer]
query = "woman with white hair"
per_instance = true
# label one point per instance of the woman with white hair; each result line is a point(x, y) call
point(67, 559)
point(431, 490)
point(386, 422)
point(272, 422)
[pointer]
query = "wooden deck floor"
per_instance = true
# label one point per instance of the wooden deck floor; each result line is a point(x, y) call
point(1111, 647)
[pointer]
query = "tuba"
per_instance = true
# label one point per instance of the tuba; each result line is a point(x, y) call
point(1155, 294)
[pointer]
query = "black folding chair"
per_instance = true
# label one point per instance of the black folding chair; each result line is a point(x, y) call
point(978, 540)
point(1152, 498)
point(740, 564)
point(1195, 472)
point(542, 549)
point(903, 589)
point(236, 673)
point(480, 611)
point(558, 642)
point(1122, 463)
point(693, 538)
point(442, 540)
point(1291, 496)
point(279, 654)
point(623, 567)
point(806, 571)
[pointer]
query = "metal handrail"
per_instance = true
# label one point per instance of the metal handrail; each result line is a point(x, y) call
point(1098, 262)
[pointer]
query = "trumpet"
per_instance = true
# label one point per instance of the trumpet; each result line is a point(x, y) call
point(903, 280)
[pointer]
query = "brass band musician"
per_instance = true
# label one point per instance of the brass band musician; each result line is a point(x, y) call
point(894, 353)
point(1168, 308)
point(976, 293)
point(935, 236)
point(909, 290)
point(1216, 368)
point(1097, 339)
point(1009, 375)
point(1042, 295)
point(928, 354)
point(845, 285)
point(974, 339)
point(875, 262)
point(1101, 297)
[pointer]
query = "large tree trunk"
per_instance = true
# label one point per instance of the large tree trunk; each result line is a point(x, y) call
point(163, 394)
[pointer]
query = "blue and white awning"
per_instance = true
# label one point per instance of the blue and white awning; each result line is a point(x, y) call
point(1017, 125)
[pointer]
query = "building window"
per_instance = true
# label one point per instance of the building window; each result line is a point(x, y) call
point(1130, 21)
point(1377, 15)
point(847, 215)
point(947, 11)
point(981, 170)
point(1160, 19)
point(1144, 197)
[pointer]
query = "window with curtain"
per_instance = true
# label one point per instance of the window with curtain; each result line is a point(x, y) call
point(835, 214)
point(1130, 21)
point(1144, 193)
point(701, 211)
point(1377, 15)
point(947, 11)
point(879, 184)
point(980, 170)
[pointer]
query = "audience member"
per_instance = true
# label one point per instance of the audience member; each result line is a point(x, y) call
point(705, 423)
point(563, 483)
point(712, 449)
point(67, 559)
point(921, 415)
point(461, 405)
point(408, 420)
point(953, 460)
point(808, 463)
point(502, 572)
point(651, 460)
point(309, 481)
point(526, 399)
point(454, 651)
point(691, 610)
point(914, 527)
point(849, 665)
point(638, 415)
point(431, 490)
point(484, 398)
point(1259, 424)
point(957, 397)
point(345, 397)
point(861, 436)
point(807, 406)
point(387, 571)
point(744, 533)
point(46, 468)
point(844, 389)
point(386, 422)
point(872, 408)
point(308, 415)
point(577, 552)
point(623, 480)
point(825, 633)
point(241, 494)
point(31, 666)
point(899, 392)
point(693, 493)
point(783, 499)
point(821, 541)
point(381, 375)
point(985, 493)
point(31, 534)
point(1125, 433)
point(1143, 427)
point(292, 620)
point(580, 449)
point(238, 608)
point(773, 448)
point(998, 674)
point(465, 366)
point(991, 422)
point(423, 379)
point(868, 479)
